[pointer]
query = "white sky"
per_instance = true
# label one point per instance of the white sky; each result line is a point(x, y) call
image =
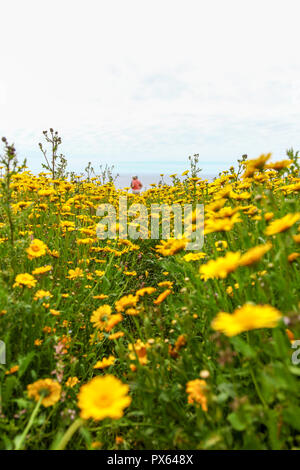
point(143, 84)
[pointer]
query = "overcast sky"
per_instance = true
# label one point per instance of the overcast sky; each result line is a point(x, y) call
point(144, 84)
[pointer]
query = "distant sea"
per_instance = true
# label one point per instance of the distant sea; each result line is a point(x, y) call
point(147, 179)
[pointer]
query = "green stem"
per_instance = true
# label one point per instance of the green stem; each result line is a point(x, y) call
point(255, 381)
point(69, 433)
point(257, 388)
point(19, 445)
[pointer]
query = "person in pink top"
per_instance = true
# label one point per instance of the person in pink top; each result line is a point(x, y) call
point(136, 185)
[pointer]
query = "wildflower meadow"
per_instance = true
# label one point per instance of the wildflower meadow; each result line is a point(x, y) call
point(134, 342)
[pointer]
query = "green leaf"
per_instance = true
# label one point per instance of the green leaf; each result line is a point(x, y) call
point(242, 347)
point(236, 422)
point(24, 363)
point(292, 416)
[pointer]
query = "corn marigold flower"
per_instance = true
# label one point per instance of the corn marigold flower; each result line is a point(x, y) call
point(126, 301)
point(26, 280)
point(41, 294)
point(54, 312)
point(172, 246)
point(296, 238)
point(162, 297)
point(180, 342)
point(221, 267)
point(53, 253)
point(132, 311)
point(193, 256)
point(268, 216)
point(145, 290)
point(99, 273)
point(166, 284)
point(49, 389)
point(139, 351)
point(196, 390)
point(119, 440)
point(106, 362)
point(71, 382)
point(38, 342)
point(254, 254)
point(246, 318)
point(221, 245)
point(85, 241)
point(75, 273)
point(112, 321)
point(278, 165)
point(255, 164)
point(293, 256)
point(221, 225)
point(117, 335)
point(36, 249)
point(42, 270)
point(100, 316)
point(103, 397)
point(12, 370)
point(290, 335)
point(283, 224)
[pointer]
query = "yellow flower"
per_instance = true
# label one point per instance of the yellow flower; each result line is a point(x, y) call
point(132, 311)
point(100, 316)
point(99, 273)
point(126, 301)
point(255, 164)
point(112, 321)
point(283, 224)
point(248, 317)
point(172, 246)
point(229, 291)
point(196, 390)
point(71, 382)
point(296, 238)
point(221, 267)
point(145, 290)
point(117, 335)
point(278, 165)
point(42, 270)
point(269, 215)
point(103, 397)
point(106, 362)
point(221, 225)
point(75, 273)
point(221, 245)
point(162, 297)
point(41, 294)
point(25, 280)
point(166, 284)
point(254, 254)
point(194, 256)
point(12, 370)
point(54, 312)
point(49, 389)
point(36, 249)
point(293, 256)
point(139, 351)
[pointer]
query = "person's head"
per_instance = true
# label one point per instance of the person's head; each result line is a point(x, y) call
point(134, 177)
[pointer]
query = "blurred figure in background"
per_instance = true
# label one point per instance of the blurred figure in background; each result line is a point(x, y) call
point(136, 185)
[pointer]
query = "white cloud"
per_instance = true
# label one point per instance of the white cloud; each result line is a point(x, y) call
point(151, 82)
